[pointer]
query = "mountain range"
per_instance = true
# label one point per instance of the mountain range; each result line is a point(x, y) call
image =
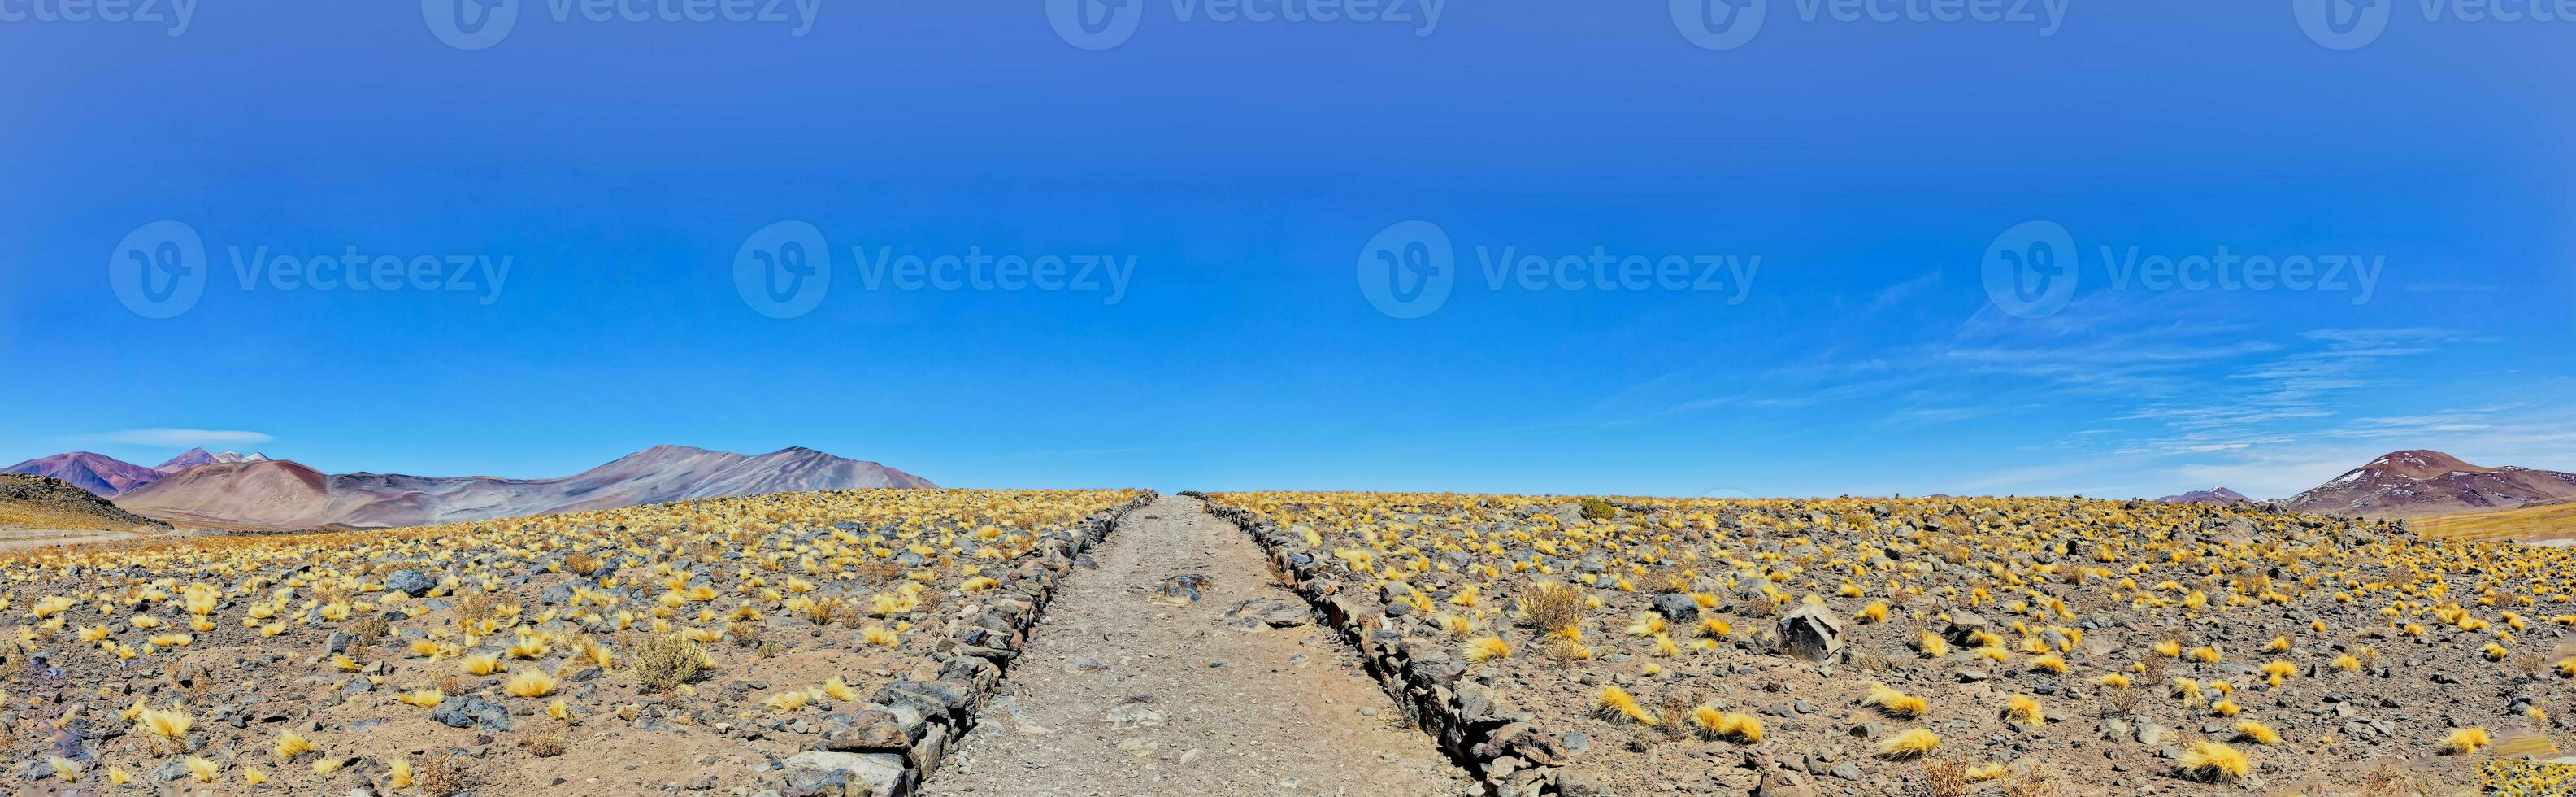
point(2215, 495)
point(2417, 482)
point(100, 474)
point(197, 456)
point(254, 492)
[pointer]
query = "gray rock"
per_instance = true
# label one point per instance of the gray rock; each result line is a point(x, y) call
point(411, 583)
point(1677, 607)
point(472, 712)
point(828, 773)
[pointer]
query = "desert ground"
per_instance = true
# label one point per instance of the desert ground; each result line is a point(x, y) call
point(1124, 642)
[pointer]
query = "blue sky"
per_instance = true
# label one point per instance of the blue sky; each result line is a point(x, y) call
point(1240, 168)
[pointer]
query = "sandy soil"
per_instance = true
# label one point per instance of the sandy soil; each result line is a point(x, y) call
point(1121, 695)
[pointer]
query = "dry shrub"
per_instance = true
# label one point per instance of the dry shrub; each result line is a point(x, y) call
point(666, 662)
point(2157, 666)
point(2532, 664)
point(821, 612)
point(2122, 701)
point(1943, 776)
point(583, 564)
point(477, 606)
point(1552, 608)
point(2031, 783)
point(927, 603)
point(547, 745)
point(1868, 659)
point(376, 625)
point(2391, 780)
point(1675, 707)
point(745, 634)
point(443, 776)
point(1563, 653)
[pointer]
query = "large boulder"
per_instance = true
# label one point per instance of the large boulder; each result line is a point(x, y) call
point(1812, 633)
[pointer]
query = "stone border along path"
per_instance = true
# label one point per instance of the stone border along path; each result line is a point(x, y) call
point(887, 746)
point(1473, 724)
point(1131, 687)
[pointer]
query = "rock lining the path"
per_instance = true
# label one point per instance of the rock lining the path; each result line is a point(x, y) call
point(1476, 726)
point(903, 733)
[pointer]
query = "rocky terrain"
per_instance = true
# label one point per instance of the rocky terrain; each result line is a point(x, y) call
point(2420, 483)
point(799, 644)
point(2040, 646)
point(957, 642)
point(282, 494)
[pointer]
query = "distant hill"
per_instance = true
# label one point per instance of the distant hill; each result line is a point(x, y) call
point(284, 494)
point(100, 474)
point(44, 502)
point(2418, 483)
point(2215, 495)
point(197, 456)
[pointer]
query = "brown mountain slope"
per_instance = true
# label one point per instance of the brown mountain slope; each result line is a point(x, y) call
point(45, 502)
point(266, 494)
point(282, 494)
point(2416, 483)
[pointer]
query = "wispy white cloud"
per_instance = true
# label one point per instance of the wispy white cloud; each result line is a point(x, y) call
point(1897, 295)
point(184, 438)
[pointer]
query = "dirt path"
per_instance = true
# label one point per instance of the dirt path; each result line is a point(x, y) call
point(20, 539)
point(1119, 694)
